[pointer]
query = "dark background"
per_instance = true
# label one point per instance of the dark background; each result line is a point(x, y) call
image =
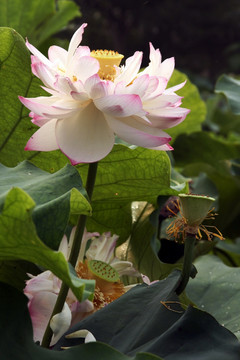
point(202, 35)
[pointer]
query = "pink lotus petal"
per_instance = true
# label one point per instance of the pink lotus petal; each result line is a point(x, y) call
point(85, 137)
point(167, 118)
point(166, 68)
point(57, 55)
point(40, 309)
point(44, 73)
point(120, 105)
point(131, 68)
point(43, 139)
point(165, 147)
point(75, 41)
point(38, 105)
point(155, 62)
point(83, 67)
point(136, 133)
point(38, 54)
point(172, 89)
point(139, 86)
point(42, 282)
point(96, 87)
point(80, 310)
point(162, 101)
point(82, 51)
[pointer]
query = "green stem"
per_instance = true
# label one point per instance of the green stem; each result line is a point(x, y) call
point(187, 262)
point(92, 172)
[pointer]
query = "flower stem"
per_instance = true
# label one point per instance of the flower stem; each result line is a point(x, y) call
point(187, 262)
point(92, 172)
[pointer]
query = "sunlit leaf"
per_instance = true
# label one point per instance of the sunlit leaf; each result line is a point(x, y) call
point(56, 196)
point(19, 240)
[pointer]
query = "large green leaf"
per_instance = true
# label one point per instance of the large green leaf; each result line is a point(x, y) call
point(216, 289)
point(127, 175)
point(192, 101)
point(147, 325)
point(231, 89)
point(56, 196)
point(37, 19)
point(16, 336)
point(19, 240)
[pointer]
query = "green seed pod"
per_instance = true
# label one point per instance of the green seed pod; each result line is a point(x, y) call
point(195, 208)
point(103, 270)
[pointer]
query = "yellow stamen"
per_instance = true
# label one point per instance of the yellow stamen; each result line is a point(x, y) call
point(74, 78)
point(107, 59)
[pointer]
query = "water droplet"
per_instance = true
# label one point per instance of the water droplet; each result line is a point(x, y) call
point(202, 306)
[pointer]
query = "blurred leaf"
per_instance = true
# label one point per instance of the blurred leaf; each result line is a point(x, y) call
point(56, 196)
point(25, 15)
point(231, 89)
point(37, 19)
point(147, 325)
point(66, 10)
point(204, 147)
point(229, 252)
point(192, 101)
point(19, 240)
point(216, 290)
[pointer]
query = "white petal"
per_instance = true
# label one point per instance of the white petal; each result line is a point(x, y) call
point(83, 68)
point(172, 89)
point(122, 105)
point(96, 87)
point(155, 62)
point(63, 247)
point(139, 86)
point(166, 68)
point(75, 41)
point(38, 105)
point(38, 54)
point(58, 56)
point(85, 137)
point(60, 323)
point(43, 139)
point(83, 333)
point(131, 69)
point(136, 133)
point(162, 101)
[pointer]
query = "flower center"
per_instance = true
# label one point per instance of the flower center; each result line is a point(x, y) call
point(105, 291)
point(107, 59)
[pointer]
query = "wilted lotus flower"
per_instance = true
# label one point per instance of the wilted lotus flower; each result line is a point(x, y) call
point(93, 99)
point(43, 289)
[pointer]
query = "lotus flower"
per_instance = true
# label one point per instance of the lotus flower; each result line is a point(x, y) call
point(93, 98)
point(42, 290)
